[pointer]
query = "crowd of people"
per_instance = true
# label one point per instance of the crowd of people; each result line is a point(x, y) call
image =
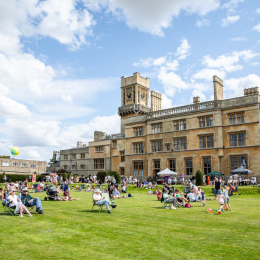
point(191, 193)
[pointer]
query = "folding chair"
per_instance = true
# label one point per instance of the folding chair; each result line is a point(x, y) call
point(95, 203)
point(112, 201)
point(7, 209)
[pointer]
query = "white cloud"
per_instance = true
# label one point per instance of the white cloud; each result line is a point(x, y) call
point(10, 108)
point(239, 39)
point(197, 93)
point(208, 73)
point(171, 82)
point(257, 27)
point(255, 63)
point(166, 102)
point(258, 11)
point(153, 16)
point(29, 135)
point(232, 4)
point(183, 50)
point(64, 22)
point(203, 22)
point(67, 98)
point(228, 62)
point(229, 20)
point(236, 86)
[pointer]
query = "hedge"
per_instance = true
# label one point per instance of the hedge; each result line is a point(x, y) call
point(14, 177)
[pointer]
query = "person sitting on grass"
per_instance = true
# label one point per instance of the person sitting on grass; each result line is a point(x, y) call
point(115, 193)
point(1, 194)
point(27, 200)
point(178, 195)
point(67, 197)
point(221, 200)
point(15, 201)
point(149, 192)
point(167, 198)
point(101, 201)
point(225, 192)
point(159, 194)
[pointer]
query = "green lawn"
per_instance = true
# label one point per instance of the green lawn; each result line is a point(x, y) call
point(139, 229)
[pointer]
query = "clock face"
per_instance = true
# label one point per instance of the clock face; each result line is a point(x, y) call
point(142, 96)
point(129, 95)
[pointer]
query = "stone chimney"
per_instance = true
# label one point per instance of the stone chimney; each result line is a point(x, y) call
point(98, 135)
point(79, 144)
point(251, 91)
point(218, 88)
point(196, 100)
point(156, 101)
point(84, 145)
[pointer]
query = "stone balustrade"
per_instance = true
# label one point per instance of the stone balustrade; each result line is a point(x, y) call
point(185, 109)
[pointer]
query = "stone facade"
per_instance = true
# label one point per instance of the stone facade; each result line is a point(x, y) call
point(217, 135)
point(23, 167)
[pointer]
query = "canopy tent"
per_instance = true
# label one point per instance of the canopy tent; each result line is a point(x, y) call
point(49, 173)
point(215, 173)
point(167, 172)
point(241, 170)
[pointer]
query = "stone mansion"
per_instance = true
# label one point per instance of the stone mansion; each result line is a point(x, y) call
point(211, 136)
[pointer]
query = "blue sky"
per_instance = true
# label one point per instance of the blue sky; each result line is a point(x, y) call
point(62, 60)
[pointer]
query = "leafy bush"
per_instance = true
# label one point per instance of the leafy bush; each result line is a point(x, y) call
point(101, 176)
point(115, 174)
point(199, 178)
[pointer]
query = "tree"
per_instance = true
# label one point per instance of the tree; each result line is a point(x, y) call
point(50, 163)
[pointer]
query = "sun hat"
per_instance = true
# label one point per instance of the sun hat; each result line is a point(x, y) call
point(25, 189)
point(97, 190)
point(219, 192)
point(10, 191)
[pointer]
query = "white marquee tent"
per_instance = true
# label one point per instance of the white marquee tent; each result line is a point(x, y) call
point(167, 172)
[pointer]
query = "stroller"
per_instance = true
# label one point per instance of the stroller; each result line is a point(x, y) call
point(52, 193)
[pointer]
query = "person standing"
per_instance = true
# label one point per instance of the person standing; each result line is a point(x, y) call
point(217, 186)
point(182, 178)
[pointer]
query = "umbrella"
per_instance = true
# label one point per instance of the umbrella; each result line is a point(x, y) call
point(241, 170)
point(214, 173)
point(167, 172)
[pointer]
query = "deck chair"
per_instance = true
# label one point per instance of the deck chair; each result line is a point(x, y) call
point(7, 209)
point(103, 195)
point(112, 201)
point(29, 207)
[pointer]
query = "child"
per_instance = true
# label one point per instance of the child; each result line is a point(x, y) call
point(66, 196)
point(149, 192)
point(221, 200)
point(225, 191)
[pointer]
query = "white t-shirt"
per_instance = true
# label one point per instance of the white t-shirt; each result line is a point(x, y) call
point(97, 196)
point(13, 199)
point(191, 196)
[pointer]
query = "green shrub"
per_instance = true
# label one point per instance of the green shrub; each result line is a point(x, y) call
point(101, 176)
point(65, 175)
point(199, 178)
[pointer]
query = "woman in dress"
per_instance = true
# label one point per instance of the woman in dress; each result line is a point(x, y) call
point(19, 207)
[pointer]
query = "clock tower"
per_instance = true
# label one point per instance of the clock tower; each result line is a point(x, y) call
point(134, 97)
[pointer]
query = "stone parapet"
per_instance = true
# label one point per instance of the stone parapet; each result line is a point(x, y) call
point(133, 108)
